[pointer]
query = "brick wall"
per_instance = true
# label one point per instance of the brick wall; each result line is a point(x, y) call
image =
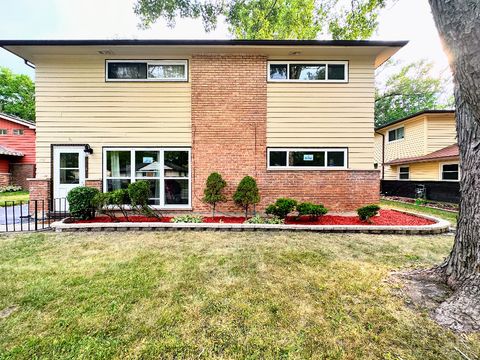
point(20, 174)
point(5, 179)
point(39, 190)
point(94, 183)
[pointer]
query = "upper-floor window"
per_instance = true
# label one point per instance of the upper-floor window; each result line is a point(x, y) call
point(17, 131)
point(396, 134)
point(308, 71)
point(146, 70)
point(314, 158)
point(3, 131)
point(450, 172)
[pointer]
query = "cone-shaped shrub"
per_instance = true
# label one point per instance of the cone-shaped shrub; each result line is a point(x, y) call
point(213, 193)
point(246, 194)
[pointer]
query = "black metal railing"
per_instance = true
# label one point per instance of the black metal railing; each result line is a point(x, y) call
point(31, 215)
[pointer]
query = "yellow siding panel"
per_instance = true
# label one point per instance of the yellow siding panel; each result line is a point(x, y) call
point(418, 171)
point(441, 131)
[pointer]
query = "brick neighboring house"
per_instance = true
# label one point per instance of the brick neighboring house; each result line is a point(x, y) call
point(17, 151)
point(296, 115)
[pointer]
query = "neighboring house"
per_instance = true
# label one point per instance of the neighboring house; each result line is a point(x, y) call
point(420, 152)
point(17, 151)
point(296, 115)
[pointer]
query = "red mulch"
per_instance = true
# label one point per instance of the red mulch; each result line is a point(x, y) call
point(387, 217)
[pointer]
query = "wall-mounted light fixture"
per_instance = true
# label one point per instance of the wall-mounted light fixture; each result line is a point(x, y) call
point(88, 150)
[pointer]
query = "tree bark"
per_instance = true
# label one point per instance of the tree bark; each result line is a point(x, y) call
point(458, 23)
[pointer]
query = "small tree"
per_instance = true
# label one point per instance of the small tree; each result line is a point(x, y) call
point(213, 190)
point(246, 194)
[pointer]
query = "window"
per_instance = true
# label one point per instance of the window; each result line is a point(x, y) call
point(311, 71)
point(166, 170)
point(3, 131)
point(69, 168)
point(148, 70)
point(450, 172)
point(17, 131)
point(307, 158)
point(404, 173)
point(396, 134)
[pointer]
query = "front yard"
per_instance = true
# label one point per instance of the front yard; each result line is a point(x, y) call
point(15, 196)
point(225, 295)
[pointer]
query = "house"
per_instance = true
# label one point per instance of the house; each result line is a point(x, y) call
point(418, 156)
point(17, 151)
point(296, 115)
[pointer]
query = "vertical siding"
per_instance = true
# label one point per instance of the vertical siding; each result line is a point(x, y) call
point(441, 131)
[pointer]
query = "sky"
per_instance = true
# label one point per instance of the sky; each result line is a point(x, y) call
point(107, 19)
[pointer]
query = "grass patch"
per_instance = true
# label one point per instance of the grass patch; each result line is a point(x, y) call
point(446, 215)
point(16, 196)
point(251, 295)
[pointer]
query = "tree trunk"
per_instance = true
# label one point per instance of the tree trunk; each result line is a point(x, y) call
point(458, 22)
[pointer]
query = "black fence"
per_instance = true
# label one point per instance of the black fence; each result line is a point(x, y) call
point(444, 191)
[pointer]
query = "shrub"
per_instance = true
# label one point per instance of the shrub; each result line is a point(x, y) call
point(187, 219)
point(109, 203)
point(213, 190)
point(10, 188)
point(312, 210)
point(101, 202)
point(281, 208)
point(139, 193)
point(366, 212)
point(246, 194)
point(80, 201)
point(257, 219)
point(420, 202)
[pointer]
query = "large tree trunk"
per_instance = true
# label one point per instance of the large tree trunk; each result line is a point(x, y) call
point(458, 22)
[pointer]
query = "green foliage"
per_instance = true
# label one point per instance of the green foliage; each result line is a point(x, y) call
point(420, 202)
point(366, 212)
point(312, 210)
point(10, 188)
point(110, 202)
point(80, 202)
point(213, 193)
point(412, 89)
point(139, 194)
point(257, 219)
point(17, 94)
point(187, 218)
point(281, 208)
point(270, 19)
point(246, 194)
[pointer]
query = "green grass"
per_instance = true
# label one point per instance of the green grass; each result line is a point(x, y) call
point(446, 215)
point(217, 295)
point(16, 196)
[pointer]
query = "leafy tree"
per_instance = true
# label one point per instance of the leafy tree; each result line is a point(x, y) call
point(213, 193)
point(271, 19)
point(17, 94)
point(410, 90)
point(246, 194)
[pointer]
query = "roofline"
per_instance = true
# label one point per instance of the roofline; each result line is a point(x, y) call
point(406, 161)
point(28, 123)
point(414, 115)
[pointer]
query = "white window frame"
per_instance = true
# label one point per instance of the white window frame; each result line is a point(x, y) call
point(3, 131)
point(161, 178)
point(403, 166)
point(449, 163)
point(325, 167)
point(395, 129)
point(18, 132)
point(148, 62)
point(326, 62)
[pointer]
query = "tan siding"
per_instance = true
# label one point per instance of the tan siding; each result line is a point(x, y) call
point(419, 171)
point(441, 131)
point(330, 115)
point(377, 152)
point(76, 105)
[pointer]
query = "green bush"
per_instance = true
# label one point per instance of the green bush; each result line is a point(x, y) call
point(281, 208)
point(80, 202)
point(187, 218)
point(420, 202)
point(10, 188)
point(213, 193)
point(246, 194)
point(257, 219)
point(312, 210)
point(139, 194)
point(366, 212)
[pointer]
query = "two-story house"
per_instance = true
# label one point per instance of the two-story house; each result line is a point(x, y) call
point(295, 115)
point(420, 153)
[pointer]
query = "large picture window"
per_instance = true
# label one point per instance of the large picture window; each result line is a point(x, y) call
point(308, 71)
point(314, 158)
point(167, 170)
point(147, 70)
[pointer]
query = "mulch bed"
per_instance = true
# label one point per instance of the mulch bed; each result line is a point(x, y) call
point(386, 217)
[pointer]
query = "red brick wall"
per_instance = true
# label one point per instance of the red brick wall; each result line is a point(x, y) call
point(5, 179)
point(20, 174)
point(24, 143)
point(39, 190)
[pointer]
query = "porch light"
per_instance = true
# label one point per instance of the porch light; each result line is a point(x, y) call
point(88, 150)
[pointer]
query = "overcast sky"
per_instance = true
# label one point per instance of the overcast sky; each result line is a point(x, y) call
point(97, 19)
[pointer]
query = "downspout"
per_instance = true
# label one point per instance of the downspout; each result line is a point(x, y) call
point(383, 153)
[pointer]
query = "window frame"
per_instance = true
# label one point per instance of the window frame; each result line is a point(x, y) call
point(149, 62)
point(161, 177)
point(399, 172)
point(449, 163)
point(18, 132)
point(326, 62)
point(395, 129)
point(3, 132)
point(325, 167)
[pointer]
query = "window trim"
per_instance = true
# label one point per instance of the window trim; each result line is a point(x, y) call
point(394, 129)
point(326, 62)
point(399, 172)
point(449, 163)
point(3, 132)
point(149, 62)
point(326, 150)
point(161, 178)
point(18, 132)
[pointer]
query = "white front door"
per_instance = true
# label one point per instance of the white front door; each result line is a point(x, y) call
point(68, 171)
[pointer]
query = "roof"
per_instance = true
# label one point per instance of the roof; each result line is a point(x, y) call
point(448, 153)
point(423, 112)
point(8, 152)
point(30, 124)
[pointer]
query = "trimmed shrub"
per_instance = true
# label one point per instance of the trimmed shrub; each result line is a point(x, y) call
point(10, 188)
point(80, 202)
point(139, 193)
point(213, 190)
point(246, 194)
point(312, 210)
point(257, 219)
point(187, 218)
point(281, 208)
point(366, 212)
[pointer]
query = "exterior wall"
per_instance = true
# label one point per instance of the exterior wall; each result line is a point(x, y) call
point(423, 171)
point(39, 190)
point(378, 152)
point(24, 143)
point(441, 130)
point(5, 179)
point(326, 114)
point(20, 174)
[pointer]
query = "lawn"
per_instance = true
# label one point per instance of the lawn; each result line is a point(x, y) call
point(221, 295)
point(16, 196)
point(446, 215)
